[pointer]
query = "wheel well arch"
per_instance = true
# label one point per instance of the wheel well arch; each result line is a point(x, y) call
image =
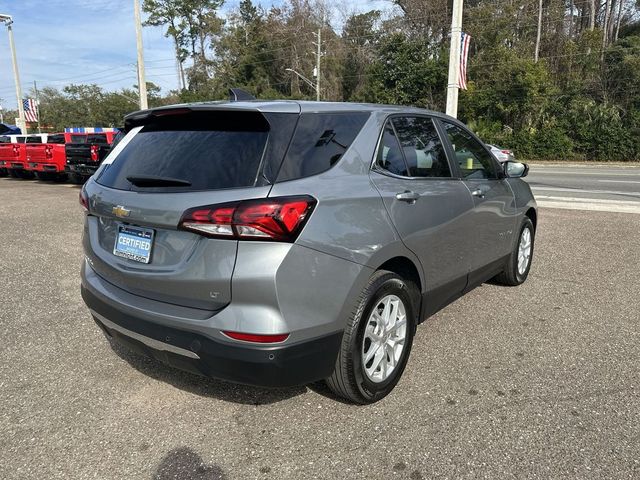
point(533, 216)
point(405, 268)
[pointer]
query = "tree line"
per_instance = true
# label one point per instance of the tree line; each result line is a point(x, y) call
point(551, 79)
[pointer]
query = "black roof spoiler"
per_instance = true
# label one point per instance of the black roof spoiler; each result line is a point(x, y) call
point(239, 95)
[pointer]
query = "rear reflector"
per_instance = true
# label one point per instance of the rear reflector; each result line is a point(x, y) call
point(84, 201)
point(275, 219)
point(255, 338)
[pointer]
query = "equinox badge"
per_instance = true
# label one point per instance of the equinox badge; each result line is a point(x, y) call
point(120, 211)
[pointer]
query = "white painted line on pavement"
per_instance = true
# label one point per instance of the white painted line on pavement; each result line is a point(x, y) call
point(578, 190)
point(618, 181)
point(536, 171)
point(596, 207)
point(588, 204)
point(586, 200)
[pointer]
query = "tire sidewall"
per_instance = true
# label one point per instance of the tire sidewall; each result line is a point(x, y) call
point(391, 285)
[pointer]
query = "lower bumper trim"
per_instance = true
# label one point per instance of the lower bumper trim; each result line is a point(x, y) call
point(149, 342)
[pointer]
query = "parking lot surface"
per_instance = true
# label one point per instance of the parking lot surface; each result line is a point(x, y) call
point(537, 381)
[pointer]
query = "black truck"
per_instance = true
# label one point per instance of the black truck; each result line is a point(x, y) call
point(83, 159)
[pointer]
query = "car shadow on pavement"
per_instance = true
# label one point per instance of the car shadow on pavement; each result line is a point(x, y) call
point(185, 463)
point(204, 386)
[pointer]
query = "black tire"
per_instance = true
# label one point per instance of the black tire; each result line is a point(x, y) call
point(349, 379)
point(26, 174)
point(76, 178)
point(44, 176)
point(14, 173)
point(511, 276)
point(3, 172)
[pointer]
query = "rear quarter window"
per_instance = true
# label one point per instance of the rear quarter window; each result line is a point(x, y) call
point(319, 141)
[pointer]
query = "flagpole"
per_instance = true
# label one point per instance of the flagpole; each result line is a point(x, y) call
point(454, 59)
point(35, 88)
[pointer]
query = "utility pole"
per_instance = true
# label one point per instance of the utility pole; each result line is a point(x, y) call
point(539, 34)
point(8, 21)
point(35, 89)
point(142, 83)
point(318, 56)
point(454, 59)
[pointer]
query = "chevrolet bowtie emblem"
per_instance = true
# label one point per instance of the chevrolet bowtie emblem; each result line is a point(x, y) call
point(120, 211)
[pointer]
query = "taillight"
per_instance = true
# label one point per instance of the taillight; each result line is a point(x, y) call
point(16, 150)
point(94, 153)
point(279, 219)
point(256, 338)
point(506, 152)
point(48, 151)
point(84, 200)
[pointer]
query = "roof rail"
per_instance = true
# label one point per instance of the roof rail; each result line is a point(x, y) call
point(237, 95)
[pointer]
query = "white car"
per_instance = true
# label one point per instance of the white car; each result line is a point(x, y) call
point(502, 154)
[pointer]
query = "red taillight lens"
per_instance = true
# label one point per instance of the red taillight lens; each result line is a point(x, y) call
point(255, 338)
point(48, 151)
point(506, 152)
point(94, 153)
point(16, 150)
point(279, 219)
point(84, 200)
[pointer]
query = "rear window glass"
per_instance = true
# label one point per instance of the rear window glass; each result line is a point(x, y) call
point(78, 139)
point(5, 139)
point(34, 140)
point(102, 139)
point(319, 142)
point(20, 139)
point(210, 150)
point(55, 139)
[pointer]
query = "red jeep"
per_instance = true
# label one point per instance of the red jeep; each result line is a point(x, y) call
point(48, 160)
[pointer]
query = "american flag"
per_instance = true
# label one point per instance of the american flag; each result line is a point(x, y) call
point(464, 56)
point(30, 110)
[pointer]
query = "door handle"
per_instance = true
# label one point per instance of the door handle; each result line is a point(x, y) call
point(408, 196)
point(478, 193)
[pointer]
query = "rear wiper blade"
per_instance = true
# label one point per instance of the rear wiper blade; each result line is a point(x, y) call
point(155, 181)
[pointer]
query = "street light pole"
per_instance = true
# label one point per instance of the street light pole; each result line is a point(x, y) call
point(8, 21)
point(142, 82)
point(454, 59)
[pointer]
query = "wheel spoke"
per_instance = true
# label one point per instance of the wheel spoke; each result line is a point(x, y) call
point(373, 348)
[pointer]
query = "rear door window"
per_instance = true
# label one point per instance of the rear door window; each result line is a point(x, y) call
point(319, 141)
point(390, 156)
point(209, 150)
point(34, 140)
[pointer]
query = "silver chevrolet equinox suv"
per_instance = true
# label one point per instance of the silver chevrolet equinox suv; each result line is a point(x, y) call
point(280, 243)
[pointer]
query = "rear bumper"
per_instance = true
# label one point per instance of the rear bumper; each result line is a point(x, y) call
point(81, 168)
point(259, 365)
point(45, 167)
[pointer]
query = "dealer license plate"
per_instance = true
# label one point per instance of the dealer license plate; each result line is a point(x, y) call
point(134, 243)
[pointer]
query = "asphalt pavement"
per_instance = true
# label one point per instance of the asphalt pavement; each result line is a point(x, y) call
point(537, 381)
point(608, 188)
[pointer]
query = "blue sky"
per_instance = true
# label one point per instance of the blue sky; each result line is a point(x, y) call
point(86, 41)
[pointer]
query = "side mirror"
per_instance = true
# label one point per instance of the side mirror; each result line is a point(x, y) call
point(515, 169)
